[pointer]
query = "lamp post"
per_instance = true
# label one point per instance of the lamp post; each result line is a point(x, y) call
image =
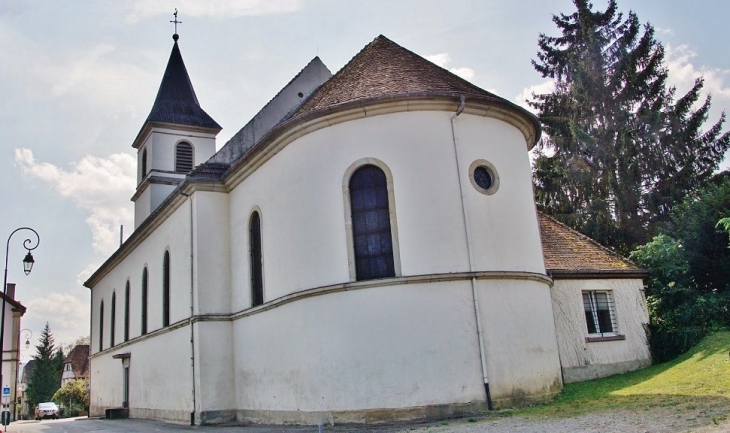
point(28, 261)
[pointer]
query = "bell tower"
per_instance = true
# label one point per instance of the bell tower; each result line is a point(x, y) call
point(177, 136)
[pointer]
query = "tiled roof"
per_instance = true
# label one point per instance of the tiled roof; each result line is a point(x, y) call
point(176, 101)
point(79, 359)
point(566, 250)
point(385, 69)
point(209, 171)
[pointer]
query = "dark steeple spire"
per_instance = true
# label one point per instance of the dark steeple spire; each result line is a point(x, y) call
point(176, 101)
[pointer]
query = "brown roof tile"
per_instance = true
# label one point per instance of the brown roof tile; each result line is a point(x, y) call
point(384, 68)
point(567, 250)
point(79, 359)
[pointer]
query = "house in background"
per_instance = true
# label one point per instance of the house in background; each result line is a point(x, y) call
point(14, 310)
point(24, 412)
point(365, 249)
point(76, 364)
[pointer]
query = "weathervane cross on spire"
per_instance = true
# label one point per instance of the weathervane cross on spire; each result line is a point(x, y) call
point(176, 21)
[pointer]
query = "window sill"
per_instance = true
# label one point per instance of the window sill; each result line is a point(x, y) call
point(605, 338)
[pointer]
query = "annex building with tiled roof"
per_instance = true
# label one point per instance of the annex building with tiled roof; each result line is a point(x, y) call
point(365, 249)
point(76, 364)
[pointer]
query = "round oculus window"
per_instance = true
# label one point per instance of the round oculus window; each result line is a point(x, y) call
point(483, 176)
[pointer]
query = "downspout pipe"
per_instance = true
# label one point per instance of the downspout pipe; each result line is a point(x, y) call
point(192, 309)
point(467, 236)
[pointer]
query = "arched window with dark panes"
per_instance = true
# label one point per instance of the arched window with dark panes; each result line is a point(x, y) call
point(144, 301)
point(183, 157)
point(166, 289)
point(144, 162)
point(113, 319)
point(373, 241)
point(257, 265)
point(101, 326)
point(126, 312)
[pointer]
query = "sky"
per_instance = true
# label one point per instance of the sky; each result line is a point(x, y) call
point(78, 79)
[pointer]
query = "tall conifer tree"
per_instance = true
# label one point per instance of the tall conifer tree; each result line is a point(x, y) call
point(45, 379)
point(619, 150)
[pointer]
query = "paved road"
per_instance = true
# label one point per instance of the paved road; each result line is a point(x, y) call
point(83, 425)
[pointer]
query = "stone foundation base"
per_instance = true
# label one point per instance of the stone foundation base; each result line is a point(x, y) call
point(595, 371)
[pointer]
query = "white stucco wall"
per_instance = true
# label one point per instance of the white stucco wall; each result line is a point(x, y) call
point(160, 363)
point(386, 347)
point(299, 193)
point(582, 360)
point(520, 341)
point(160, 373)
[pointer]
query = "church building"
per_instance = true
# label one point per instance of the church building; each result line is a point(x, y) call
point(365, 249)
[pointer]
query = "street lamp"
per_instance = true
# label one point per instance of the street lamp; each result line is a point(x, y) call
point(28, 334)
point(27, 267)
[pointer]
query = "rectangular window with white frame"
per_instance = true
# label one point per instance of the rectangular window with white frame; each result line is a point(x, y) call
point(600, 313)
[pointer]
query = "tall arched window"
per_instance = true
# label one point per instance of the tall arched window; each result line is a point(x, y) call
point(166, 289)
point(257, 266)
point(372, 238)
point(126, 312)
point(144, 162)
point(183, 157)
point(113, 319)
point(101, 326)
point(144, 300)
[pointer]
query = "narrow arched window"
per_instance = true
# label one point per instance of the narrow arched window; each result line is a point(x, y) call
point(372, 238)
point(101, 326)
point(144, 162)
point(183, 157)
point(257, 266)
point(126, 312)
point(113, 319)
point(166, 289)
point(144, 301)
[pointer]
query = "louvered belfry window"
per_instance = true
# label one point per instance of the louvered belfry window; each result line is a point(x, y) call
point(257, 268)
point(183, 157)
point(372, 237)
point(144, 163)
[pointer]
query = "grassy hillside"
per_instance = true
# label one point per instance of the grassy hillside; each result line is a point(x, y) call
point(698, 381)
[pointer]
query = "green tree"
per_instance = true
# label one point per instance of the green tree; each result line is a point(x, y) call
point(619, 149)
point(46, 376)
point(688, 291)
point(74, 396)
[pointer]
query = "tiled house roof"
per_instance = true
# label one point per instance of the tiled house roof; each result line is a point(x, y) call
point(568, 252)
point(79, 360)
point(384, 69)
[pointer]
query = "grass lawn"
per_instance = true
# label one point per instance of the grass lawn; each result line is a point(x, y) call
point(698, 381)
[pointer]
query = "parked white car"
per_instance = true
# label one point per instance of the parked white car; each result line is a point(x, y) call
point(46, 410)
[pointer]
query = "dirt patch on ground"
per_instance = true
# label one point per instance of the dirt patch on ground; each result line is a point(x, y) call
point(660, 420)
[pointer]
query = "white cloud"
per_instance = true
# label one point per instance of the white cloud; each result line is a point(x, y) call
point(86, 273)
point(100, 186)
point(96, 74)
point(538, 89)
point(220, 9)
point(682, 74)
point(67, 315)
point(100, 74)
point(663, 31)
point(443, 60)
